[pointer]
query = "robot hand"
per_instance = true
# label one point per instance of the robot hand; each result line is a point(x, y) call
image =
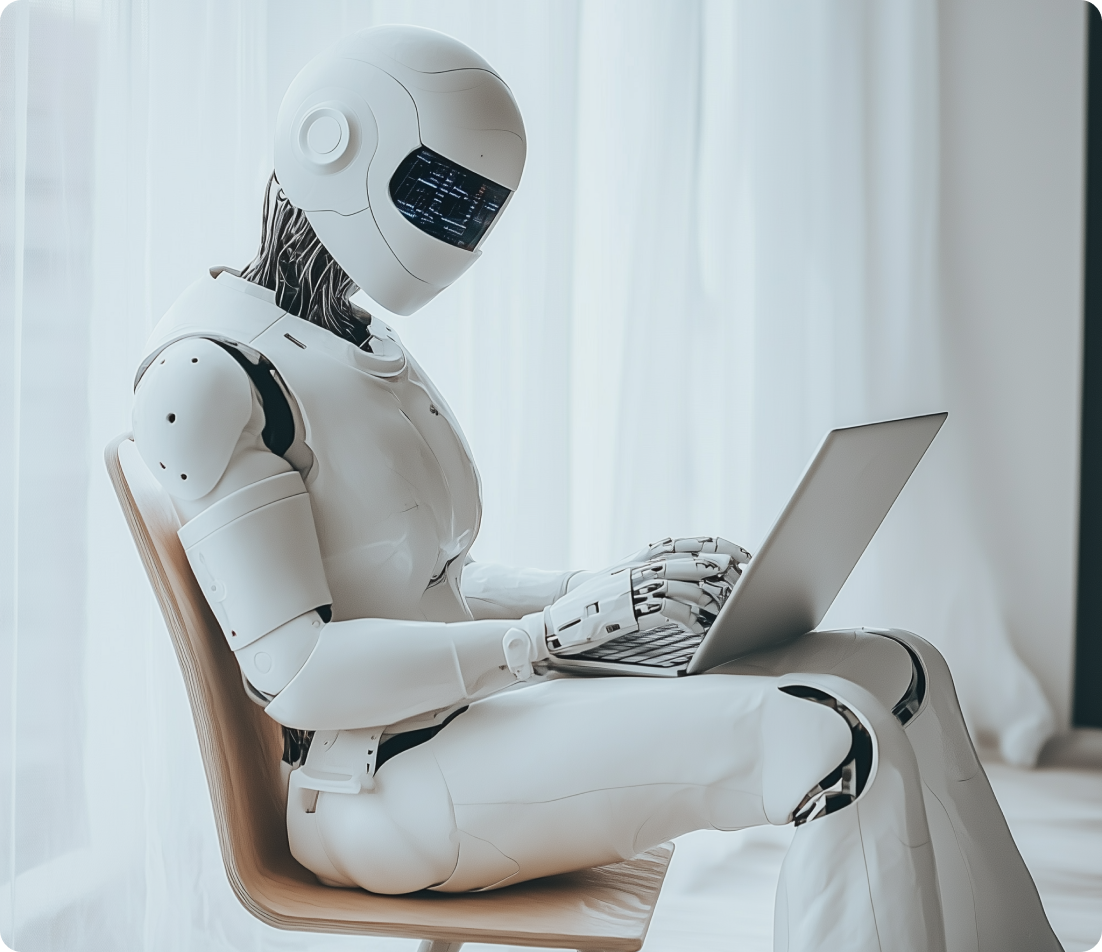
point(688, 590)
point(688, 547)
point(669, 549)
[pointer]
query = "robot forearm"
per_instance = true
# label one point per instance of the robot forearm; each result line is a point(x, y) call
point(502, 591)
point(378, 671)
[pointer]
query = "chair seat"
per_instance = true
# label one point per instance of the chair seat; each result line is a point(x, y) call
point(603, 909)
point(595, 910)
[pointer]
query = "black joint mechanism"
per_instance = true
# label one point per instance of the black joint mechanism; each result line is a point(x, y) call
point(843, 785)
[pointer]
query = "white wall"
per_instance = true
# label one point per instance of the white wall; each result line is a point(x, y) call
point(1011, 224)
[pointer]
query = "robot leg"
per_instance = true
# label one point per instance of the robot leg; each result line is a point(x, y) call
point(574, 772)
point(989, 899)
point(556, 776)
point(398, 838)
point(860, 874)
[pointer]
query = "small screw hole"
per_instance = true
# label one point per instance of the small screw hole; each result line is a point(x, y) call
point(171, 418)
point(183, 475)
point(195, 360)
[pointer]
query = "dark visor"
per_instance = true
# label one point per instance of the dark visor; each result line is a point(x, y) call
point(445, 200)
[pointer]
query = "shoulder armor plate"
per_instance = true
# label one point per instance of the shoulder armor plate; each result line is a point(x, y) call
point(190, 408)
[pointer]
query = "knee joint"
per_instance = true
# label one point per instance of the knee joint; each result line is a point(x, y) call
point(818, 755)
point(844, 783)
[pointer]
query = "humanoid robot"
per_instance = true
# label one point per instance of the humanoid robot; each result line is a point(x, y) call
point(329, 501)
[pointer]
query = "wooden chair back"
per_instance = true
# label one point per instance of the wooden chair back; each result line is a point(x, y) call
point(597, 910)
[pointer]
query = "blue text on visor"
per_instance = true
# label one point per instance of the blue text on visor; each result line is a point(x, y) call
point(445, 200)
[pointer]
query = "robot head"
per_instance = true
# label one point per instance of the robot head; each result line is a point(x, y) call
point(402, 146)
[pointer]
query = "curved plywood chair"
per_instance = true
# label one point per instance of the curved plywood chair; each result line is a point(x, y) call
point(607, 909)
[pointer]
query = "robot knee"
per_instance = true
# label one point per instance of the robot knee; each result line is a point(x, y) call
point(941, 739)
point(818, 753)
point(880, 768)
point(931, 671)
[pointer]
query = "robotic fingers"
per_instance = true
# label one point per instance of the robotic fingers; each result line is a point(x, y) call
point(673, 550)
point(673, 601)
point(689, 546)
point(688, 591)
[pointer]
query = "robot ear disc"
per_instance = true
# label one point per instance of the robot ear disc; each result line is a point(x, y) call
point(327, 138)
point(325, 135)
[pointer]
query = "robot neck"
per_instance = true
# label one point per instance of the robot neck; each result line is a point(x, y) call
point(352, 325)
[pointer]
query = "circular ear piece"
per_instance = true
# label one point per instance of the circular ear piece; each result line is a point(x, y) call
point(327, 138)
point(324, 135)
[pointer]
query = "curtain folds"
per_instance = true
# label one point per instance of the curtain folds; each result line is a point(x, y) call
point(726, 242)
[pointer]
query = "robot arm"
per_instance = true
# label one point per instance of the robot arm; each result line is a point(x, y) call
point(250, 538)
point(364, 672)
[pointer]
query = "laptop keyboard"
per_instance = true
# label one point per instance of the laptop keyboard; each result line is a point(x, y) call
point(667, 646)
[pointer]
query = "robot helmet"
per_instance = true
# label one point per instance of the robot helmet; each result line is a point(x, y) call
point(402, 146)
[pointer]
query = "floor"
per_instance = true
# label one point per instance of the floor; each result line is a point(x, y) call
point(719, 891)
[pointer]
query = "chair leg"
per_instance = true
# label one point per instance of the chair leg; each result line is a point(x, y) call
point(439, 945)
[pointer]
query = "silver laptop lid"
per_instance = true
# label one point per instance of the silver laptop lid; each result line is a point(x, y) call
point(842, 498)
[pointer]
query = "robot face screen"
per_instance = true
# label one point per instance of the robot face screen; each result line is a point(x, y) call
point(444, 199)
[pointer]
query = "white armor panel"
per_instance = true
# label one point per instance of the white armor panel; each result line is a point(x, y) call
point(407, 483)
point(255, 555)
point(360, 675)
point(192, 405)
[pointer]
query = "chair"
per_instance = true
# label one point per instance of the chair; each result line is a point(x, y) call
point(596, 910)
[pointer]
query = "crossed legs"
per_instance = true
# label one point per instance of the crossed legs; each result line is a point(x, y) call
point(582, 772)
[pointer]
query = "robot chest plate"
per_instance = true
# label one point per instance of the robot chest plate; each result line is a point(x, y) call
point(394, 490)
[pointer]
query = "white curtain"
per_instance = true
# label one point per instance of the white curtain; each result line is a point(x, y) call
point(725, 243)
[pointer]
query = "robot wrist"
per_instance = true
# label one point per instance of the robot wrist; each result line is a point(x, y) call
point(599, 609)
point(525, 644)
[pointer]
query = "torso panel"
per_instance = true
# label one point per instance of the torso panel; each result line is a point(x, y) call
point(393, 487)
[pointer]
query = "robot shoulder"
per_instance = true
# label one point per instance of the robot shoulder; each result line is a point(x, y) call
point(190, 408)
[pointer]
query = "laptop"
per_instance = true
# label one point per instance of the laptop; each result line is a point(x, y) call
point(839, 503)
